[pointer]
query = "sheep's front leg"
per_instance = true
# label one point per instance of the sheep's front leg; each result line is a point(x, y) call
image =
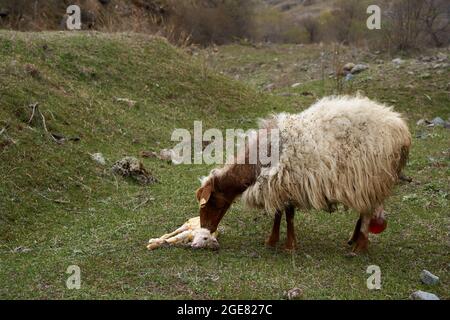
point(275, 235)
point(290, 240)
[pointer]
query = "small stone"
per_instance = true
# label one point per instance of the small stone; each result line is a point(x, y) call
point(441, 57)
point(398, 61)
point(425, 75)
point(428, 278)
point(348, 67)
point(269, 87)
point(359, 68)
point(438, 121)
point(132, 167)
point(422, 295)
point(294, 294)
point(295, 85)
point(99, 158)
point(349, 77)
point(129, 102)
point(21, 250)
point(166, 154)
point(422, 122)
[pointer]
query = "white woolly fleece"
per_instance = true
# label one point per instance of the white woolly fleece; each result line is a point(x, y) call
point(346, 150)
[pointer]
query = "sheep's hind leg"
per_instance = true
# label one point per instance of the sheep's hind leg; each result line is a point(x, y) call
point(362, 239)
point(290, 240)
point(354, 237)
point(275, 235)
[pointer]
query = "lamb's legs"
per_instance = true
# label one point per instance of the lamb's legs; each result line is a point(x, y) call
point(290, 240)
point(182, 237)
point(172, 234)
point(275, 235)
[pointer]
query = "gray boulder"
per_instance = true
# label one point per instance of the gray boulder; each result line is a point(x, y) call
point(428, 278)
point(422, 295)
point(359, 68)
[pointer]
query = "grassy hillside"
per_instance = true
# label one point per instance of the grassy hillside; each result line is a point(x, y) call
point(59, 208)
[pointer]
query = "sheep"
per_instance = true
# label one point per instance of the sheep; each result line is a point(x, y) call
point(341, 150)
point(189, 233)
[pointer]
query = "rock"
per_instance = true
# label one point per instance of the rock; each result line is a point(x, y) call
point(422, 122)
point(166, 154)
point(130, 103)
point(294, 294)
point(98, 157)
point(428, 278)
point(398, 61)
point(441, 57)
point(442, 65)
point(426, 59)
point(295, 85)
point(133, 168)
point(359, 68)
point(422, 295)
point(425, 75)
point(438, 121)
point(349, 77)
point(269, 87)
point(21, 250)
point(348, 67)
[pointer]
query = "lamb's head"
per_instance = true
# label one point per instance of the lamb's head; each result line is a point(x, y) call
point(204, 239)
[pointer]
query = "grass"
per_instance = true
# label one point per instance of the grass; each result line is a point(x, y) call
point(59, 208)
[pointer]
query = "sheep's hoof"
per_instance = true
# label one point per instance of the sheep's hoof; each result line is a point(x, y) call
point(361, 244)
point(289, 246)
point(271, 242)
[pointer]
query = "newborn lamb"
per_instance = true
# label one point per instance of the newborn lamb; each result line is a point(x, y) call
point(189, 233)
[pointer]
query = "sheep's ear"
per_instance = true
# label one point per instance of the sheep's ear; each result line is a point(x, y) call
point(203, 194)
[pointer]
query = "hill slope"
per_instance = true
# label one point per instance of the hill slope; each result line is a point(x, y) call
point(56, 201)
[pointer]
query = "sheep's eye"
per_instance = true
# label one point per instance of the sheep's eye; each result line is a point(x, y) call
point(205, 238)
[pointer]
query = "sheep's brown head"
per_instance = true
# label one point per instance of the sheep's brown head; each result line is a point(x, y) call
point(213, 205)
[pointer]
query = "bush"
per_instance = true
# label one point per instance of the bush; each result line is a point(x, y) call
point(212, 21)
point(412, 24)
